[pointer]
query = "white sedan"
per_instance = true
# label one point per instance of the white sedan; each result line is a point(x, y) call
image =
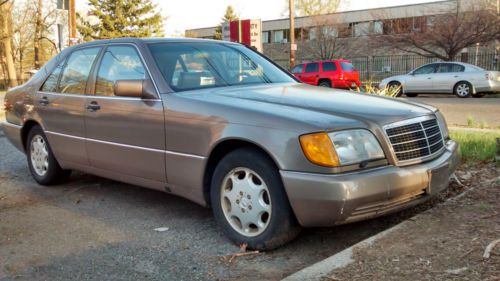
point(461, 79)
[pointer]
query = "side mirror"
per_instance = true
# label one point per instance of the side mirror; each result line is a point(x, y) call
point(142, 88)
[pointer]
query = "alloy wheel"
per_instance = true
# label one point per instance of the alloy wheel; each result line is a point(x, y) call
point(463, 90)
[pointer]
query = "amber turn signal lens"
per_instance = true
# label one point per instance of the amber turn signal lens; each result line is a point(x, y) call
point(318, 148)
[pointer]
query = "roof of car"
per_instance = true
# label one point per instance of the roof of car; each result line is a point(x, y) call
point(152, 40)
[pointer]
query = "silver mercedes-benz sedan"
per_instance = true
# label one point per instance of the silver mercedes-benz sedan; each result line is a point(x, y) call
point(462, 79)
point(221, 125)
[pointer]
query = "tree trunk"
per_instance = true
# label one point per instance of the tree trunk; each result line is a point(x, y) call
point(38, 31)
point(6, 11)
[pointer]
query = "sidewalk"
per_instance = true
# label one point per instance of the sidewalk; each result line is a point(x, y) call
point(446, 242)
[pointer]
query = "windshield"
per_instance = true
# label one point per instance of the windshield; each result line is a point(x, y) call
point(190, 66)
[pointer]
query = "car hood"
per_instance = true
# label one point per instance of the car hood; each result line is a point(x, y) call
point(310, 103)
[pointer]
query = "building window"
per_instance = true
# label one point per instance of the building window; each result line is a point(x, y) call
point(378, 27)
point(278, 36)
point(281, 36)
point(361, 29)
point(265, 37)
point(312, 33)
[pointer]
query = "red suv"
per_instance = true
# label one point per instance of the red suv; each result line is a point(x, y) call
point(334, 74)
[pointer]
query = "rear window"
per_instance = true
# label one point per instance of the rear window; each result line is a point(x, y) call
point(312, 67)
point(329, 66)
point(347, 66)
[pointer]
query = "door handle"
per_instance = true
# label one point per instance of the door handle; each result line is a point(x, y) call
point(317, 75)
point(429, 77)
point(44, 101)
point(93, 106)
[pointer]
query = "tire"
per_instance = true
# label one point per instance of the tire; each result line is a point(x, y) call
point(325, 83)
point(462, 89)
point(411, 95)
point(41, 161)
point(396, 85)
point(478, 95)
point(237, 179)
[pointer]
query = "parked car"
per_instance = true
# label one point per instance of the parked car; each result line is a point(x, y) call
point(462, 79)
point(332, 74)
point(269, 157)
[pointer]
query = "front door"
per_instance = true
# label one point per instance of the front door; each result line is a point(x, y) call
point(420, 80)
point(60, 103)
point(124, 135)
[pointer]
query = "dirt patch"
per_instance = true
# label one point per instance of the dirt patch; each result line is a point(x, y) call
point(444, 243)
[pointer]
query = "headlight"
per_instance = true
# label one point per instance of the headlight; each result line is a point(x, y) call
point(442, 125)
point(341, 148)
point(355, 146)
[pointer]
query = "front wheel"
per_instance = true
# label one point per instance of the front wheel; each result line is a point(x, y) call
point(395, 89)
point(41, 161)
point(411, 95)
point(249, 202)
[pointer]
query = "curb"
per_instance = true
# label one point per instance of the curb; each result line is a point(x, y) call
point(343, 258)
point(340, 259)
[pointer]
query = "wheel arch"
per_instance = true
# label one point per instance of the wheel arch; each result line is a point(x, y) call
point(221, 149)
point(465, 81)
point(25, 130)
point(323, 79)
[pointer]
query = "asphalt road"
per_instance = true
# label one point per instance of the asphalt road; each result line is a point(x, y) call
point(96, 229)
point(457, 111)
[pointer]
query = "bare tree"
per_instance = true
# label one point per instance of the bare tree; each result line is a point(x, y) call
point(6, 36)
point(22, 33)
point(324, 41)
point(442, 36)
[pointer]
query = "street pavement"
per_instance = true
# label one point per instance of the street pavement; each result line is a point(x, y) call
point(96, 229)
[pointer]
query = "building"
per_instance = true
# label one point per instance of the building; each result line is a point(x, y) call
point(352, 30)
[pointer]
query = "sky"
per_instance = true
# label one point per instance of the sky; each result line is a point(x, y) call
point(188, 14)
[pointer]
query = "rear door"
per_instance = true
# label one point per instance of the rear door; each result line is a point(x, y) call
point(311, 73)
point(447, 75)
point(420, 80)
point(124, 135)
point(60, 104)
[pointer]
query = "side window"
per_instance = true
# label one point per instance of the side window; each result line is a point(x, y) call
point(443, 68)
point(118, 63)
point(312, 67)
point(456, 68)
point(75, 74)
point(426, 69)
point(298, 68)
point(329, 66)
point(50, 85)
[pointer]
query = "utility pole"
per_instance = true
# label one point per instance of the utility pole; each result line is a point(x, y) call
point(72, 22)
point(293, 47)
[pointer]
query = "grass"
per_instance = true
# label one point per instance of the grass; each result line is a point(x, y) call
point(476, 146)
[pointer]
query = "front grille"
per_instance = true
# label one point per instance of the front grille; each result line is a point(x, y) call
point(416, 140)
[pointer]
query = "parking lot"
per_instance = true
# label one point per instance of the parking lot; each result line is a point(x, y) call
point(96, 229)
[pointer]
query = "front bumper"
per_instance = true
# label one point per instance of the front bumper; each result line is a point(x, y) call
point(13, 134)
point(326, 199)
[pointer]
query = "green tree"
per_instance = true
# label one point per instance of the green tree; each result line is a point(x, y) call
point(229, 16)
point(121, 18)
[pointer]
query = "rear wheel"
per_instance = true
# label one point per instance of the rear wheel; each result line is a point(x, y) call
point(325, 83)
point(249, 201)
point(395, 89)
point(463, 89)
point(41, 161)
